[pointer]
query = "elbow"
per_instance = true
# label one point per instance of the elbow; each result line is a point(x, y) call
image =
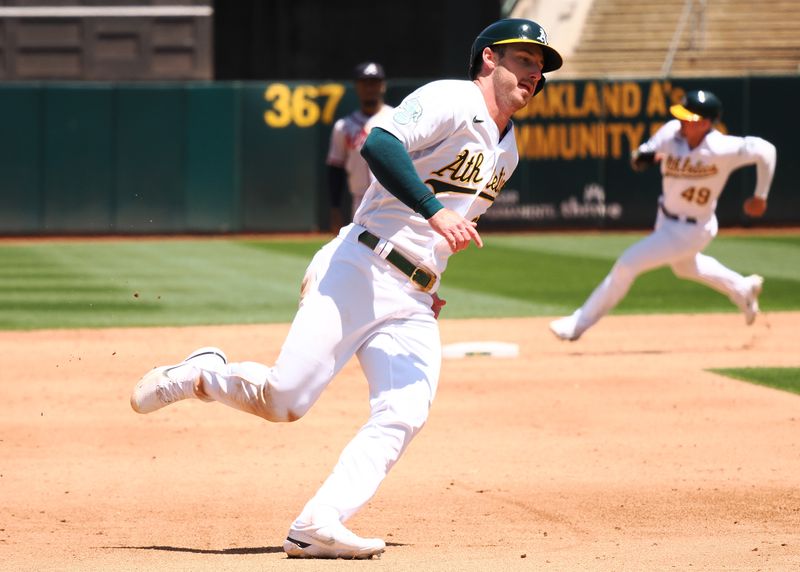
point(769, 158)
point(368, 148)
point(376, 140)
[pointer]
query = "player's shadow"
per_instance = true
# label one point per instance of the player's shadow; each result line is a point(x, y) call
point(243, 550)
point(620, 353)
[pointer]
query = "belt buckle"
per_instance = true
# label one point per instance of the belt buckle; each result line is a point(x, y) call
point(431, 276)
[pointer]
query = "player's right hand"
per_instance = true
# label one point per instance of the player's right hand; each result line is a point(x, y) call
point(456, 230)
point(755, 207)
point(641, 161)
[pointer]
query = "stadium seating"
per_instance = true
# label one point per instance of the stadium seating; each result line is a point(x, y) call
point(632, 38)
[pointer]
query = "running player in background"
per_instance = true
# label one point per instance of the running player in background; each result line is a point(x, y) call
point(696, 161)
point(440, 161)
point(347, 169)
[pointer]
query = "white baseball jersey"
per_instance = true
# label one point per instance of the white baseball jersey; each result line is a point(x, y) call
point(347, 138)
point(693, 179)
point(457, 151)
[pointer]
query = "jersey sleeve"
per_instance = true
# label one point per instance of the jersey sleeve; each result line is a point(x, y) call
point(424, 118)
point(337, 149)
point(764, 154)
point(385, 112)
point(660, 138)
point(741, 151)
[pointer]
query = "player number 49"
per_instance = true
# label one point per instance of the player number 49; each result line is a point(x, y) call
point(699, 195)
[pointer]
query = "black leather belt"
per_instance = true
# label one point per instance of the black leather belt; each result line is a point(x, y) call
point(689, 219)
point(422, 277)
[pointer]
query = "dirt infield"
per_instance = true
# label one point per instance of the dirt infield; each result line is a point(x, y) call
point(618, 452)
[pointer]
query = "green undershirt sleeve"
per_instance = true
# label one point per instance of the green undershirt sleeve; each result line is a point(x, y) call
point(390, 163)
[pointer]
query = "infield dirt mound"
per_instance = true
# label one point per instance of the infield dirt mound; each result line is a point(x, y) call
point(617, 452)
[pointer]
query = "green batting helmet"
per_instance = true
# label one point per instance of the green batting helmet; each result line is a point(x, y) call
point(697, 105)
point(509, 31)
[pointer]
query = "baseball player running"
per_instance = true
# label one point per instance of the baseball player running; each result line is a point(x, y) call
point(346, 166)
point(696, 161)
point(440, 161)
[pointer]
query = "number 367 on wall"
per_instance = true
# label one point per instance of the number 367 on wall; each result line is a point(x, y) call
point(301, 105)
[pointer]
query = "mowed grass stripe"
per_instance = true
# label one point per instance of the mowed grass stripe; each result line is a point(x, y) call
point(151, 283)
point(760, 255)
point(777, 255)
point(602, 246)
point(216, 281)
point(558, 272)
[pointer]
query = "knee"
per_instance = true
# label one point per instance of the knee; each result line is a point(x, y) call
point(678, 271)
point(408, 417)
point(288, 392)
point(683, 270)
point(414, 418)
point(396, 431)
point(282, 407)
point(623, 272)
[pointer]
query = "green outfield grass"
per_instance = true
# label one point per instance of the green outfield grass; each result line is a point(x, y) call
point(138, 282)
point(784, 378)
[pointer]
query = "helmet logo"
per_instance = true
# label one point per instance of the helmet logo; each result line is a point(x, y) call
point(542, 36)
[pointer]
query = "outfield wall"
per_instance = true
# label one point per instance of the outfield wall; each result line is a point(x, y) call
point(97, 158)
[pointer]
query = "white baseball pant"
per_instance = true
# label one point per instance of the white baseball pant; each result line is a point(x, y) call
point(354, 302)
point(673, 243)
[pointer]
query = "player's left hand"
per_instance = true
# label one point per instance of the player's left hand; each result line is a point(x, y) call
point(457, 230)
point(437, 304)
point(755, 206)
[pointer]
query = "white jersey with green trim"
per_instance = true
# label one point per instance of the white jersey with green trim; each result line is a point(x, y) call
point(456, 150)
point(693, 179)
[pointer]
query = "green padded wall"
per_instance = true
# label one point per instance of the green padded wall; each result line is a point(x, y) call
point(21, 172)
point(213, 171)
point(79, 167)
point(150, 155)
point(209, 157)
